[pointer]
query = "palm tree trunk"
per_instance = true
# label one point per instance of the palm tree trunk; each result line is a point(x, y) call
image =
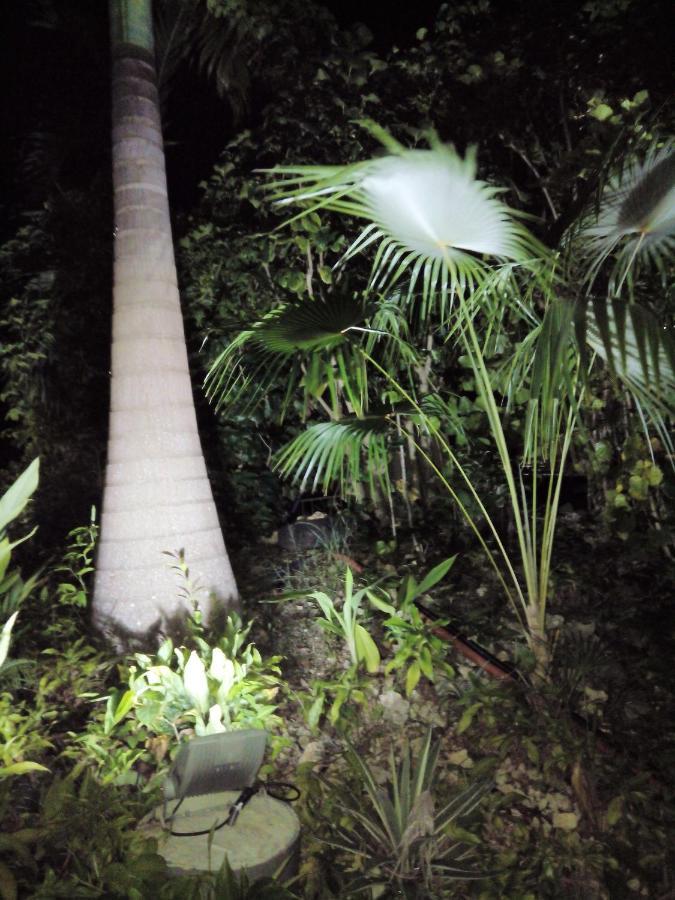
point(157, 497)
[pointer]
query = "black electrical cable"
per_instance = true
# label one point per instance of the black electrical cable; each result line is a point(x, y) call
point(292, 793)
point(289, 794)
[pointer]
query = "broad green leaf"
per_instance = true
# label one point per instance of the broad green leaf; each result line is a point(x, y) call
point(225, 688)
point(467, 717)
point(5, 636)
point(412, 677)
point(116, 709)
point(15, 498)
point(602, 112)
point(165, 651)
point(411, 589)
point(380, 604)
point(5, 556)
point(326, 604)
point(349, 585)
point(196, 685)
point(437, 573)
point(367, 649)
point(336, 706)
point(315, 711)
point(215, 723)
point(21, 768)
point(426, 665)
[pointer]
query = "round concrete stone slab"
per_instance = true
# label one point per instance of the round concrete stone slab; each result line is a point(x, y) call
point(264, 840)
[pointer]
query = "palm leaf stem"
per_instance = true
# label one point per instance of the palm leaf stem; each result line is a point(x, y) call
point(486, 394)
point(465, 512)
point(535, 570)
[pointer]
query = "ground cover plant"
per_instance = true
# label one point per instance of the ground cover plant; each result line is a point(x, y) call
point(428, 289)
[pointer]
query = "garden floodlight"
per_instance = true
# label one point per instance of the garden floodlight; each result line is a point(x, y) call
point(220, 811)
point(228, 761)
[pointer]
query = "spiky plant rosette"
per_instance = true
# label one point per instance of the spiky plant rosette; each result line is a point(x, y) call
point(434, 221)
point(635, 221)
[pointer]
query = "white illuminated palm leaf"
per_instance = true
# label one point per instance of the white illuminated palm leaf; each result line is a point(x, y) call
point(636, 218)
point(434, 221)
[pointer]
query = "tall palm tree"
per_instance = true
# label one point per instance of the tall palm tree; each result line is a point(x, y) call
point(157, 497)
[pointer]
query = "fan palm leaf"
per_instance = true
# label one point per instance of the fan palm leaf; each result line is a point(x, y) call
point(642, 355)
point(635, 221)
point(433, 220)
point(350, 451)
point(626, 337)
point(631, 229)
point(310, 342)
point(437, 226)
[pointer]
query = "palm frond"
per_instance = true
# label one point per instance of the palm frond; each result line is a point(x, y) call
point(217, 45)
point(222, 44)
point(173, 24)
point(350, 451)
point(311, 343)
point(435, 223)
point(635, 221)
point(637, 350)
point(437, 410)
point(641, 353)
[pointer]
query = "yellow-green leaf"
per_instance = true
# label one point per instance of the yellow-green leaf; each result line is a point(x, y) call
point(602, 112)
point(366, 649)
point(467, 717)
point(21, 768)
point(614, 811)
point(412, 677)
point(17, 496)
point(567, 821)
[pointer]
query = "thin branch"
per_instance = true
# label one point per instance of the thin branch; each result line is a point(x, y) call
point(535, 171)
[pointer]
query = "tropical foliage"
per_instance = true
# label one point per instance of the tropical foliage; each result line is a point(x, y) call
point(436, 225)
point(486, 406)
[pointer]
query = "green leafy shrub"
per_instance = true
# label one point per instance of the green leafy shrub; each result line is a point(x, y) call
point(345, 623)
point(213, 687)
point(19, 725)
point(417, 649)
point(87, 844)
point(77, 563)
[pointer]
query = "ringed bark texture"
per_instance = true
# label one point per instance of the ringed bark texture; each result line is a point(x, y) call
point(157, 497)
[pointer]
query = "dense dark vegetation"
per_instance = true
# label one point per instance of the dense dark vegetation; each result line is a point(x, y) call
point(567, 769)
